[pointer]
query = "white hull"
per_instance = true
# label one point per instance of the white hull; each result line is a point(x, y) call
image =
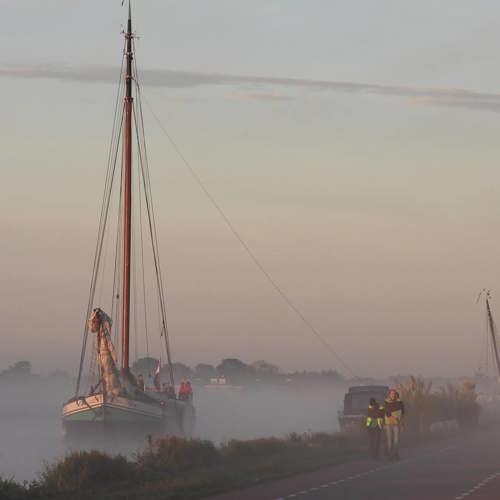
point(121, 413)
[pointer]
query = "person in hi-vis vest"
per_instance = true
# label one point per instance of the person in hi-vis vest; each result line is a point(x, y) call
point(374, 424)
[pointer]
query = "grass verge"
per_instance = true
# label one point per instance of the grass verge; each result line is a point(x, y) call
point(174, 468)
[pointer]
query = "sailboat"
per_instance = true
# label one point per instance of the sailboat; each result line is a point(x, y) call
point(110, 396)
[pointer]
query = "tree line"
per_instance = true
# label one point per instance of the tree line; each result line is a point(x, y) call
point(234, 371)
point(230, 370)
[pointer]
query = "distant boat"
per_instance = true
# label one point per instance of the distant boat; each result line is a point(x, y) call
point(114, 398)
point(221, 383)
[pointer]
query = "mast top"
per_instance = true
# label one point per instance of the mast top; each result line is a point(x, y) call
point(486, 293)
point(129, 21)
point(129, 54)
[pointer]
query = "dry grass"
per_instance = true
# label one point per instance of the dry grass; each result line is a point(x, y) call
point(84, 471)
point(170, 456)
point(425, 406)
point(11, 490)
point(170, 467)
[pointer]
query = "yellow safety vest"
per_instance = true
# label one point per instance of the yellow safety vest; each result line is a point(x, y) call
point(375, 417)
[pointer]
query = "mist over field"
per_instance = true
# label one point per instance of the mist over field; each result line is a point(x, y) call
point(31, 432)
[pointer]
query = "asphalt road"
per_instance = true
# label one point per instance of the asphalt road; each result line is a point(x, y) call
point(465, 468)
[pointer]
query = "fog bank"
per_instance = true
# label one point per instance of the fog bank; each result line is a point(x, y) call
point(31, 432)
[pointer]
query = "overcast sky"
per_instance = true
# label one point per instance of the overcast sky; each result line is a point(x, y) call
point(354, 145)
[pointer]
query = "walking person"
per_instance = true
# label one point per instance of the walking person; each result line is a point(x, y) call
point(394, 410)
point(374, 425)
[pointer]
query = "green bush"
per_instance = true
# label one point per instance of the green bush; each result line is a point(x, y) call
point(85, 470)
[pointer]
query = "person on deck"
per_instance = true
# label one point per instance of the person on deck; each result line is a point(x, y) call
point(394, 410)
point(169, 391)
point(183, 394)
point(189, 389)
point(185, 390)
point(374, 425)
point(140, 382)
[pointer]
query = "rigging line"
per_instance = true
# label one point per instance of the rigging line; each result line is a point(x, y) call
point(142, 259)
point(486, 339)
point(134, 294)
point(159, 324)
point(134, 273)
point(485, 350)
point(482, 362)
point(152, 222)
point(97, 256)
point(110, 174)
point(489, 354)
point(155, 248)
point(483, 354)
point(152, 228)
point(115, 139)
point(118, 257)
point(248, 250)
point(93, 363)
point(100, 280)
point(115, 135)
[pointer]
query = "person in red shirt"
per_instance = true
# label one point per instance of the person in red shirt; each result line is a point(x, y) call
point(185, 390)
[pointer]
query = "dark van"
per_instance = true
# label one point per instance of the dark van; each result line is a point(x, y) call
point(356, 402)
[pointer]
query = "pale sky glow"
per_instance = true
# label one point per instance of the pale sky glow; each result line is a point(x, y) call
point(372, 197)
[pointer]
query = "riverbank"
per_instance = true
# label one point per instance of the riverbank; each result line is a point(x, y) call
point(174, 468)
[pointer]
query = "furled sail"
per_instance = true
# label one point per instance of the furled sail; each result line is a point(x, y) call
point(100, 323)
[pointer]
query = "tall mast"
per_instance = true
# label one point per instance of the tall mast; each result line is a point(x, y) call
point(491, 325)
point(127, 196)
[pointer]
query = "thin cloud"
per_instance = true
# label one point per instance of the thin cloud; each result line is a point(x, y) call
point(455, 97)
point(257, 96)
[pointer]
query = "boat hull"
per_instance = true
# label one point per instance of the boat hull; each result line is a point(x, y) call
point(90, 414)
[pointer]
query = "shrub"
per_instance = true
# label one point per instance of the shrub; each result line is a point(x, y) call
point(424, 407)
point(172, 454)
point(10, 490)
point(85, 470)
point(339, 441)
point(296, 438)
point(253, 448)
point(462, 402)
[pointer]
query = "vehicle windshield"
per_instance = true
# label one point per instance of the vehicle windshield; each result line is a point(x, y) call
point(360, 401)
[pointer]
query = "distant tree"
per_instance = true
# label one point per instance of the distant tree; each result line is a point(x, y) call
point(181, 371)
point(266, 369)
point(325, 376)
point(164, 373)
point(205, 371)
point(145, 366)
point(332, 376)
point(236, 371)
point(19, 369)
